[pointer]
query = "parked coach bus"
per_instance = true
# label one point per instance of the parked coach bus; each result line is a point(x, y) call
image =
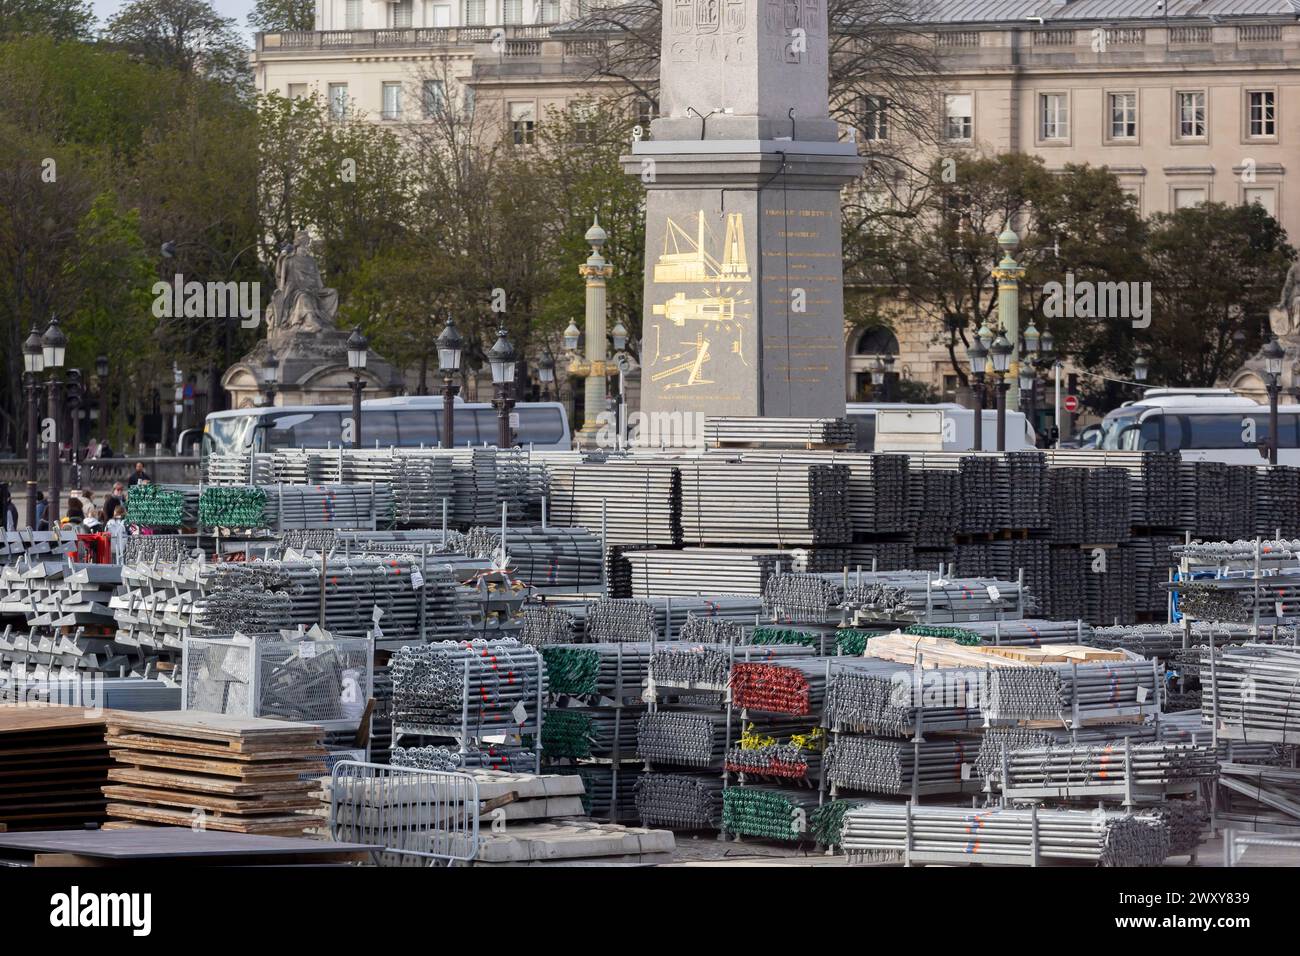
point(1203, 427)
point(407, 422)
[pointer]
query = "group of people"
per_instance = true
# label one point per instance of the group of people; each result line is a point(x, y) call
point(83, 513)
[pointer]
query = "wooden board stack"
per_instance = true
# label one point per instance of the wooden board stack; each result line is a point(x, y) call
point(53, 763)
point(215, 771)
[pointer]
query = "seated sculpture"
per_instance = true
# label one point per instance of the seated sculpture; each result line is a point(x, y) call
point(300, 303)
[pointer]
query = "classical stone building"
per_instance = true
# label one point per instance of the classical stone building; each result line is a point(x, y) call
point(1184, 101)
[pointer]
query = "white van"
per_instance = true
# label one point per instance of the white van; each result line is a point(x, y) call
point(1211, 428)
point(956, 424)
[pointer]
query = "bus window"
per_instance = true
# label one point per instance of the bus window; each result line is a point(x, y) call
point(304, 430)
point(540, 425)
point(418, 427)
point(378, 429)
point(486, 419)
point(1149, 434)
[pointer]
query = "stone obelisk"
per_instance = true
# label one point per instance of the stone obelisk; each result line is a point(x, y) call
point(744, 302)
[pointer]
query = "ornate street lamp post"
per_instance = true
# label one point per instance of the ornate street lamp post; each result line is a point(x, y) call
point(33, 365)
point(1001, 351)
point(358, 348)
point(1273, 356)
point(450, 349)
point(502, 359)
point(54, 346)
point(978, 356)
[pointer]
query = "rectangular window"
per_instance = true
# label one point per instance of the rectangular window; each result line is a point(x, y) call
point(1263, 113)
point(475, 13)
point(584, 122)
point(352, 15)
point(297, 91)
point(1187, 198)
point(512, 12)
point(441, 15)
point(1191, 115)
point(435, 98)
point(523, 124)
point(1054, 116)
point(958, 116)
point(399, 14)
point(392, 101)
point(1262, 196)
point(550, 11)
point(875, 116)
point(1123, 115)
point(338, 101)
point(467, 100)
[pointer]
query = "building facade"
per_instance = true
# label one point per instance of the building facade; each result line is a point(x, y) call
point(1185, 102)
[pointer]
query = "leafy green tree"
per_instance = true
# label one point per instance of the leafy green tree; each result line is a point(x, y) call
point(187, 36)
point(57, 19)
point(271, 16)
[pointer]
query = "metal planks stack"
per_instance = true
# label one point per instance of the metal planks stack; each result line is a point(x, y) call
point(1027, 474)
point(1218, 500)
point(1277, 501)
point(635, 502)
point(1109, 588)
point(52, 594)
point(761, 430)
point(764, 501)
point(36, 545)
point(544, 557)
point(985, 494)
point(707, 571)
point(1154, 480)
point(1151, 563)
point(933, 507)
point(889, 832)
point(1252, 692)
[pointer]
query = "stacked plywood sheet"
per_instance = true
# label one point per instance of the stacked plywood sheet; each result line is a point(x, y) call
point(215, 771)
point(53, 763)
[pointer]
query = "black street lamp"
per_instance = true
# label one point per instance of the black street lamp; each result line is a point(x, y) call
point(33, 365)
point(450, 349)
point(54, 346)
point(1001, 352)
point(358, 348)
point(74, 412)
point(270, 373)
point(1141, 365)
point(546, 374)
point(889, 377)
point(978, 357)
point(502, 359)
point(1273, 356)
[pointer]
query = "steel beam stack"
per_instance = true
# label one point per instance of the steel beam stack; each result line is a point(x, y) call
point(707, 571)
point(1217, 500)
point(933, 507)
point(634, 502)
point(776, 432)
point(764, 501)
point(985, 494)
point(889, 832)
point(53, 595)
point(1277, 501)
point(549, 557)
point(1253, 693)
point(35, 545)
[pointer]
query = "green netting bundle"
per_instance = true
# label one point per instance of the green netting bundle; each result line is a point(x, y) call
point(232, 507)
point(958, 634)
point(766, 813)
point(784, 635)
point(852, 642)
point(827, 821)
point(571, 670)
point(567, 733)
point(155, 506)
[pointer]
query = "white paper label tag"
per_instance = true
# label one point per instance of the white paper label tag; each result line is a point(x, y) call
point(376, 613)
point(377, 632)
point(1277, 607)
point(965, 771)
point(994, 593)
point(417, 579)
point(1142, 695)
point(519, 714)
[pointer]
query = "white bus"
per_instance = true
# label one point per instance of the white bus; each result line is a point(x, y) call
point(406, 422)
point(958, 425)
point(1203, 427)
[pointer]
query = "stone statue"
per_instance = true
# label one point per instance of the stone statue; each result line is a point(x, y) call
point(300, 303)
point(1285, 318)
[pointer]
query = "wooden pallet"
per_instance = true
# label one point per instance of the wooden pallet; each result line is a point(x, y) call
point(215, 771)
point(53, 764)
